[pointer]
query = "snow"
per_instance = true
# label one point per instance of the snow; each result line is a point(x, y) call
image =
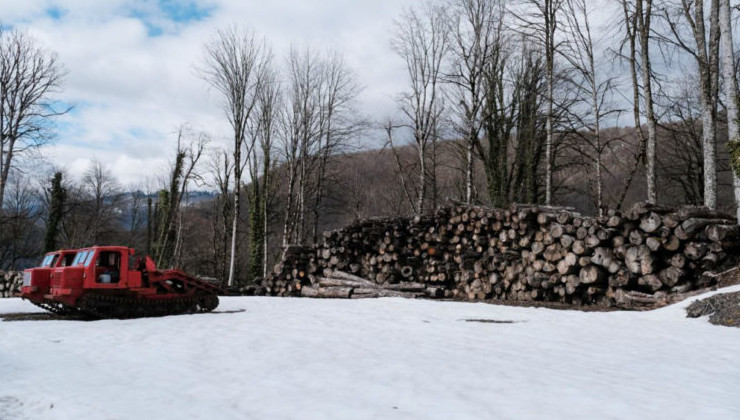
point(370, 359)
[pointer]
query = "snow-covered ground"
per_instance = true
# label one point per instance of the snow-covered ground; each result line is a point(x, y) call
point(370, 359)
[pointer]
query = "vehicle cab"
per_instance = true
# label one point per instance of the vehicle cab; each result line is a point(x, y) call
point(99, 268)
point(36, 280)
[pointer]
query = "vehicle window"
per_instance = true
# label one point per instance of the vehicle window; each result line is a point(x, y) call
point(88, 258)
point(80, 258)
point(109, 264)
point(68, 259)
point(54, 260)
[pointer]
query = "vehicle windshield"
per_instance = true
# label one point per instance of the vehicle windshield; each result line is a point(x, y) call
point(47, 260)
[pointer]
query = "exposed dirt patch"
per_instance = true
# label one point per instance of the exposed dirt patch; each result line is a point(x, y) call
point(723, 309)
point(48, 316)
point(552, 305)
point(491, 321)
point(40, 316)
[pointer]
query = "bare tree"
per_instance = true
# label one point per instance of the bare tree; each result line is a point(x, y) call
point(476, 27)
point(421, 39)
point(580, 52)
point(301, 129)
point(679, 157)
point(262, 163)
point(706, 36)
point(339, 121)
point(103, 190)
point(234, 64)
point(527, 97)
point(21, 235)
point(135, 207)
point(732, 96)
point(540, 19)
point(190, 148)
point(402, 168)
point(29, 76)
point(220, 169)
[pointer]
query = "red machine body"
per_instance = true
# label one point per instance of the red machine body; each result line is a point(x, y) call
point(110, 281)
point(36, 281)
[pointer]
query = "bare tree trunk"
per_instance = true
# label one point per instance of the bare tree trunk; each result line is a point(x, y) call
point(401, 168)
point(732, 93)
point(599, 151)
point(630, 23)
point(707, 55)
point(469, 165)
point(234, 230)
point(422, 177)
point(644, 15)
point(548, 129)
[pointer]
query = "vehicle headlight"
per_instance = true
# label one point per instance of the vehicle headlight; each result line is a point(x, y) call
point(26, 278)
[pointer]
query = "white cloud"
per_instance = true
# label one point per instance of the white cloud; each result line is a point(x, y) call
point(132, 90)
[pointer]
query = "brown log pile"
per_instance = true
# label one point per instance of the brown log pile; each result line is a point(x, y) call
point(524, 253)
point(10, 283)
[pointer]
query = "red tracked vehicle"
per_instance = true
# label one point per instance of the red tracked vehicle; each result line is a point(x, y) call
point(36, 281)
point(111, 282)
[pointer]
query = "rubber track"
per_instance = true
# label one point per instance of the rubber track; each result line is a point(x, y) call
point(55, 307)
point(108, 306)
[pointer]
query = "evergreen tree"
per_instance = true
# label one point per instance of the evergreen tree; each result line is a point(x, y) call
point(56, 211)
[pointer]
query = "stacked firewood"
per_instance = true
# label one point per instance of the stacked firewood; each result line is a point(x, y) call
point(522, 253)
point(10, 283)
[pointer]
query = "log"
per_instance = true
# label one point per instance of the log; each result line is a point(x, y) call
point(671, 276)
point(653, 243)
point(637, 300)
point(720, 233)
point(592, 241)
point(672, 243)
point(688, 212)
point(614, 221)
point(636, 237)
point(338, 274)
point(591, 274)
point(364, 293)
point(671, 220)
point(578, 247)
point(568, 265)
point(556, 230)
point(567, 241)
point(327, 292)
point(650, 281)
point(602, 256)
point(650, 222)
point(692, 226)
point(677, 260)
point(405, 287)
point(695, 250)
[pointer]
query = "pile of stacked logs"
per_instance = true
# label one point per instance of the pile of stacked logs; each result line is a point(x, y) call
point(10, 282)
point(524, 253)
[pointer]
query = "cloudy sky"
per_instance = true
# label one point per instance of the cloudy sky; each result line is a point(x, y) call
point(131, 66)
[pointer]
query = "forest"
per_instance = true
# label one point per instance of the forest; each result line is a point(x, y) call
point(546, 102)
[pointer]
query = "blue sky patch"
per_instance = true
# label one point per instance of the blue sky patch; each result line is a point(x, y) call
point(174, 11)
point(56, 13)
point(184, 12)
